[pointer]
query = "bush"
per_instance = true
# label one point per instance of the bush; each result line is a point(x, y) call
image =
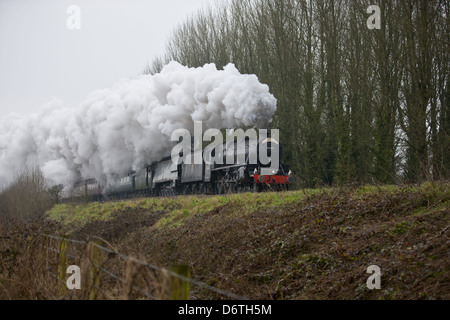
point(26, 197)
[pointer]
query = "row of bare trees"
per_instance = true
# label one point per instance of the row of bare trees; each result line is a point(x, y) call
point(354, 104)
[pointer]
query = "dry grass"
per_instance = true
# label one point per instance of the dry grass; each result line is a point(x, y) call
point(27, 197)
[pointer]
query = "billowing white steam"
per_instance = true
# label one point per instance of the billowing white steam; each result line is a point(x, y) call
point(130, 125)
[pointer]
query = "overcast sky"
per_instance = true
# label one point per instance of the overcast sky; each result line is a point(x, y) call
point(42, 59)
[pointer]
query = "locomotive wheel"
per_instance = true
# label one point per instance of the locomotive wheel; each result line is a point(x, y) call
point(220, 187)
point(202, 189)
point(229, 188)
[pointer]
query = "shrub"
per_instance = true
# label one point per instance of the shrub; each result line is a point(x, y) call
point(26, 197)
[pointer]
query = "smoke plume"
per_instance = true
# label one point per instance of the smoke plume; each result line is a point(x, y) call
point(130, 125)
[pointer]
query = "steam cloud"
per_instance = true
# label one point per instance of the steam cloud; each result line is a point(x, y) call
point(130, 125)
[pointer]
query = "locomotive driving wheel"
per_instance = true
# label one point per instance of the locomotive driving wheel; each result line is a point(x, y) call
point(220, 186)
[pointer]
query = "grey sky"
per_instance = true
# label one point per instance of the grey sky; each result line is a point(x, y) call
point(41, 59)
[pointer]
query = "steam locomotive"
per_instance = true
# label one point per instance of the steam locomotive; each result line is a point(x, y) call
point(166, 178)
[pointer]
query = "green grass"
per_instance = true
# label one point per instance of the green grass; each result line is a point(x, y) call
point(176, 210)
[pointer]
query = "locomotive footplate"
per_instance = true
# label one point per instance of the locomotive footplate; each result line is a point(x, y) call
point(261, 179)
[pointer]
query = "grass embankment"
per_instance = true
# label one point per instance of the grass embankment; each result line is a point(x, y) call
point(313, 244)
